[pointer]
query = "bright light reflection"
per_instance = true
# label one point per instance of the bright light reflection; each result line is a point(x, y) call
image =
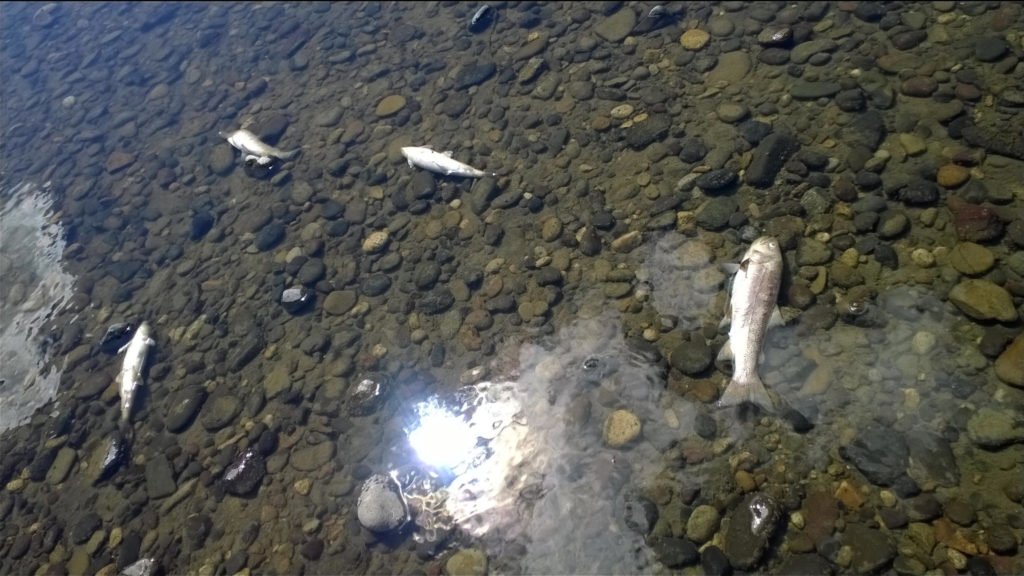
point(442, 439)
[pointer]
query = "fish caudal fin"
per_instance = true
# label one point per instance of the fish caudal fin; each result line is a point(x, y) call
point(291, 155)
point(752, 391)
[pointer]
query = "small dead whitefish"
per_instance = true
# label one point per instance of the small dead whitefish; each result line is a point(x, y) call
point(441, 163)
point(255, 149)
point(130, 378)
point(751, 310)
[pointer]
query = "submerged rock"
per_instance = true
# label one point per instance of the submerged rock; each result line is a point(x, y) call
point(244, 475)
point(880, 455)
point(382, 507)
point(751, 526)
point(108, 456)
point(295, 300)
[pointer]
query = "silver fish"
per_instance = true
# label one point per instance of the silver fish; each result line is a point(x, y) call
point(442, 163)
point(130, 377)
point(751, 309)
point(255, 149)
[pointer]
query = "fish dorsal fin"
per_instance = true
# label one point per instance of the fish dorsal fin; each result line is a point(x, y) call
point(448, 153)
point(776, 318)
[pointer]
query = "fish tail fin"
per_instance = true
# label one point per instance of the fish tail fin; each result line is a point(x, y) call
point(752, 390)
point(292, 154)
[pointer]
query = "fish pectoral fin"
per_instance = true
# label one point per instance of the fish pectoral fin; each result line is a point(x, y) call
point(150, 342)
point(729, 268)
point(123, 348)
point(411, 165)
point(726, 354)
point(776, 319)
point(726, 323)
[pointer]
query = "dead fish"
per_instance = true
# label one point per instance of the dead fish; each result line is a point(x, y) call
point(130, 378)
point(481, 19)
point(751, 309)
point(441, 163)
point(256, 150)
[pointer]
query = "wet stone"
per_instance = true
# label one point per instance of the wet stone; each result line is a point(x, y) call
point(159, 477)
point(716, 179)
point(270, 236)
point(879, 455)
point(339, 302)
point(872, 549)
point(473, 74)
point(436, 301)
point(931, 459)
point(691, 358)
point(990, 48)
point(751, 525)
point(639, 514)
point(375, 285)
point(245, 474)
point(61, 466)
point(715, 214)
point(312, 457)
point(616, 27)
point(85, 526)
point(805, 564)
point(381, 507)
point(674, 552)
point(703, 523)
point(768, 158)
point(995, 428)
point(220, 411)
point(983, 300)
point(183, 407)
point(715, 562)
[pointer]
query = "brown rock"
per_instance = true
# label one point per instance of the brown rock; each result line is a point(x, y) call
point(1010, 364)
point(973, 222)
point(694, 39)
point(971, 259)
point(919, 86)
point(118, 161)
point(390, 105)
point(953, 176)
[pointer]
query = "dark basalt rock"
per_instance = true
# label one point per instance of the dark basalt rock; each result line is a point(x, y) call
point(244, 475)
point(298, 299)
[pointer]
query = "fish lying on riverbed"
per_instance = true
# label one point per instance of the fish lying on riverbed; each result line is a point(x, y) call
point(255, 149)
point(130, 377)
point(751, 309)
point(428, 159)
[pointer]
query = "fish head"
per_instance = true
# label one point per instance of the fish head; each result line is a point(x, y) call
point(764, 249)
point(143, 330)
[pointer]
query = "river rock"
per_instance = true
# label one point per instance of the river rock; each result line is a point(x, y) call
point(703, 523)
point(971, 259)
point(871, 549)
point(694, 39)
point(220, 411)
point(470, 562)
point(1010, 364)
point(880, 455)
point(616, 27)
point(995, 428)
point(983, 300)
point(312, 457)
point(691, 357)
point(245, 474)
point(184, 405)
point(390, 105)
point(381, 507)
point(751, 525)
point(769, 157)
point(473, 74)
point(61, 466)
point(620, 428)
point(159, 477)
point(931, 459)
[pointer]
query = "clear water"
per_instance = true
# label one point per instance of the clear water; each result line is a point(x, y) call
point(495, 430)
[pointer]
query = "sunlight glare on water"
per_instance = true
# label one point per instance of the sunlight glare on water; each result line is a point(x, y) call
point(34, 286)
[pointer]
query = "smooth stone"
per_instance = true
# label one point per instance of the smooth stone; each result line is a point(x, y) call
point(983, 300)
point(339, 302)
point(1010, 364)
point(159, 477)
point(703, 523)
point(471, 562)
point(731, 68)
point(995, 428)
point(61, 466)
point(390, 105)
point(220, 411)
point(620, 428)
point(312, 457)
point(616, 27)
point(952, 176)
point(183, 407)
point(694, 39)
point(971, 259)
